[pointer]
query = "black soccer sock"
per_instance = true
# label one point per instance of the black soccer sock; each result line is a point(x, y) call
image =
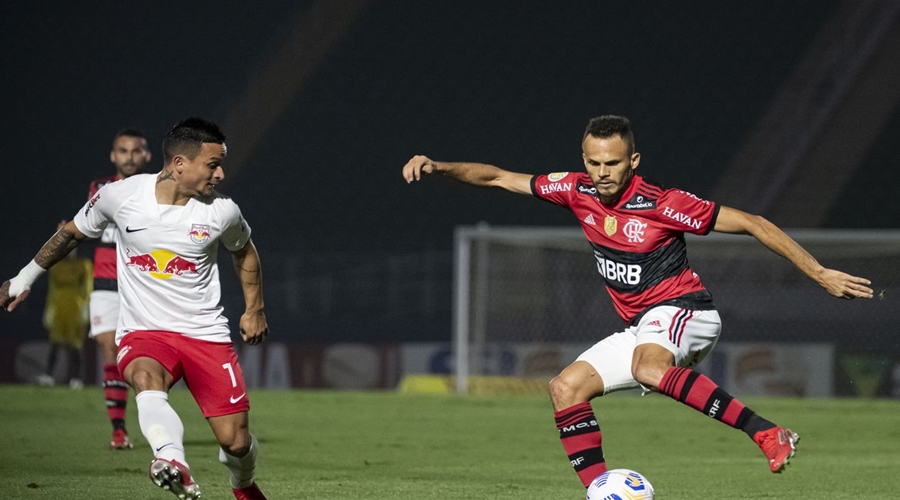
point(754, 423)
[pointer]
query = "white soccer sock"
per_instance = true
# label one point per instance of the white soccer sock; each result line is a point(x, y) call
point(242, 468)
point(161, 425)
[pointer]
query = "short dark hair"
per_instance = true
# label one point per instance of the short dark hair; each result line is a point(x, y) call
point(609, 125)
point(129, 132)
point(187, 137)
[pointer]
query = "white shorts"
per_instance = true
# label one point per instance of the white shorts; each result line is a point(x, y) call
point(104, 312)
point(689, 334)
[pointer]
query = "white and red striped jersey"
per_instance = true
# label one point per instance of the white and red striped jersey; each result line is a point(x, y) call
point(639, 242)
point(166, 256)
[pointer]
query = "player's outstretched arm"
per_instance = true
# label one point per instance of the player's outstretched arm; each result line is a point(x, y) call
point(253, 325)
point(15, 290)
point(836, 283)
point(477, 174)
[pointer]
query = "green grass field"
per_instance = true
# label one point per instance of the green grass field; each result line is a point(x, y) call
point(381, 445)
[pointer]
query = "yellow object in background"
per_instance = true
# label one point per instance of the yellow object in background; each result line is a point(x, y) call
point(66, 314)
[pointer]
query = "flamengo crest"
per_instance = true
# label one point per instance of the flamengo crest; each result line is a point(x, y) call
point(634, 230)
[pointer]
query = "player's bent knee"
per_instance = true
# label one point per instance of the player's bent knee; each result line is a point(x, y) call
point(236, 444)
point(564, 392)
point(237, 451)
point(232, 433)
point(650, 363)
point(648, 375)
point(147, 378)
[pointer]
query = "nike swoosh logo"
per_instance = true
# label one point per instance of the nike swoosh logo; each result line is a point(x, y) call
point(163, 446)
point(236, 399)
point(129, 230)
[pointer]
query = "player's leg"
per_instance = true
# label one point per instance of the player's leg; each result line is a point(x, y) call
point(160, 424)
point(69, 332)
point(669, 342)
point(47, 378)
point(104, 306)
point(238, 450)
point(602, 368)
point(115, 391)
point(75, 367)
point(151, 366)
point(216, 381)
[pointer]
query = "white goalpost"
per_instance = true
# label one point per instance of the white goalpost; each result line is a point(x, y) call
point(527, 300)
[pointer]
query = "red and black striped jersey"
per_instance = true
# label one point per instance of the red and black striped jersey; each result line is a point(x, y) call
point(96, 184)
point(638, 242)
point(105, 252)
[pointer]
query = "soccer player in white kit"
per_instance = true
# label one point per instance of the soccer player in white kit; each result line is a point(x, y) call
point(636, 230)
point(171, 324)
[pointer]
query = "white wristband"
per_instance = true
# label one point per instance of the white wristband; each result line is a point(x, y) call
point(26, 277)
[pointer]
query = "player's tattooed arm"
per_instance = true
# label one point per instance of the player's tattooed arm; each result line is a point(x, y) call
point(58, 246)
point(16, 289)
point(249, 276)
point(249, 273)
point(253, 325)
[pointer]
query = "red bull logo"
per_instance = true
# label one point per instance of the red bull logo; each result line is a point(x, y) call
point(144, 262)
point(199, 233)
point(179, 265)
point(171, 264)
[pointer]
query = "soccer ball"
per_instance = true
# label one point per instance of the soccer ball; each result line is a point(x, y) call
point(620, 484)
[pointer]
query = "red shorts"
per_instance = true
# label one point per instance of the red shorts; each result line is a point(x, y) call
point(210, 369)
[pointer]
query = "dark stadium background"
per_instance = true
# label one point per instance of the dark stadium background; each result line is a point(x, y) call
point(325, 101)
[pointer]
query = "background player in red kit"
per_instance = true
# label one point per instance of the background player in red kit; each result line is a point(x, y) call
point(129, 154)
point(636, 231)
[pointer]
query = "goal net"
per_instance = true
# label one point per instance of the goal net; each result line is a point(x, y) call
point(528, 300)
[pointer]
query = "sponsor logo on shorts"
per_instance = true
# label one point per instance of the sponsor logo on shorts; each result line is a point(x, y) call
point(122, 352)
point(236, 399)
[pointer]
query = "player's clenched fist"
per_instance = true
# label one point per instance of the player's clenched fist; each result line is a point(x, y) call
point(5, 299)
point(254, 328)
point(416, 166)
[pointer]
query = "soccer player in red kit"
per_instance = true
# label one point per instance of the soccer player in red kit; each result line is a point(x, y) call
point(129, 154)
point(636, 229)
